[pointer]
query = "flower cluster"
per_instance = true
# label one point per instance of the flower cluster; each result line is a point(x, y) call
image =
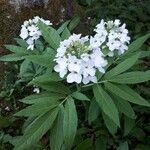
point(77, 59)
point(30, 31)
point(112, 36)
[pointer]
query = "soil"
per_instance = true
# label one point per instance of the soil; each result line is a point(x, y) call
point(11, 19)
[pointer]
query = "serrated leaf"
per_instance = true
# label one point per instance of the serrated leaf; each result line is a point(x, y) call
point(70, 123)
point(126, 93)
point(50, 35)
point(80, 96)
point(11, 57)
point(111, 126)
point(56, 136)
point(132, 77)
point(36, 130)
point(122, 67)
point(106, 103)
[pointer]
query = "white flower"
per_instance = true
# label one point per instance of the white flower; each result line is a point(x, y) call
point(36, 90)
point(74, 77)
point(88, 69)
point(61, 66)
point(26, 23)
point(62, 70)
point(80, 57)
point(78, 60)
point(95, 41)
point(74, 64)
point(110, 34)
point(30, 31)
point(33, 30)
point(30, 42)
point(117, 22)
point(89, 79)
point(24, 33)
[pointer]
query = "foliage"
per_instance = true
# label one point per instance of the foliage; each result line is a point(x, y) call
point(101, 115)
point(135, 13)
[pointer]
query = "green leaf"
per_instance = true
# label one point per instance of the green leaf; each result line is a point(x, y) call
point(145, 54)
point(87, 144)
point(50, 52)
point(106, 103)
point(38, 108)
point(5, 122)
point(101, 143)
point(42, 60)
point(28, 70)
point(122, 67)
point(50, 35)
point(39, 45)
point(112, 127)
point(22, 42)
point(128, 125)
point(139, 134)
point(56, 136)
point(36, 130)
point(123, 146)
point(93, 112)
point(74, 22)
point(138, 43)
point(11, 57)
point(24, 66)
point(55, 87)
point(38, 98)
point(46, 78)
point(142, 147)
point(70, 123)
point(65, 34)
point(132, 77)
point(80, 96)
point(126, 93)
point(124, 107)
point(18, 50)
point(63, 27)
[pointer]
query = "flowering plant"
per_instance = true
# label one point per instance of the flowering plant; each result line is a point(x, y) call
point(68, 70)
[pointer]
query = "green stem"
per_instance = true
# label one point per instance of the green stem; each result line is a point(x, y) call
point(78, 88)
point(63, 101)
point(94, 83)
